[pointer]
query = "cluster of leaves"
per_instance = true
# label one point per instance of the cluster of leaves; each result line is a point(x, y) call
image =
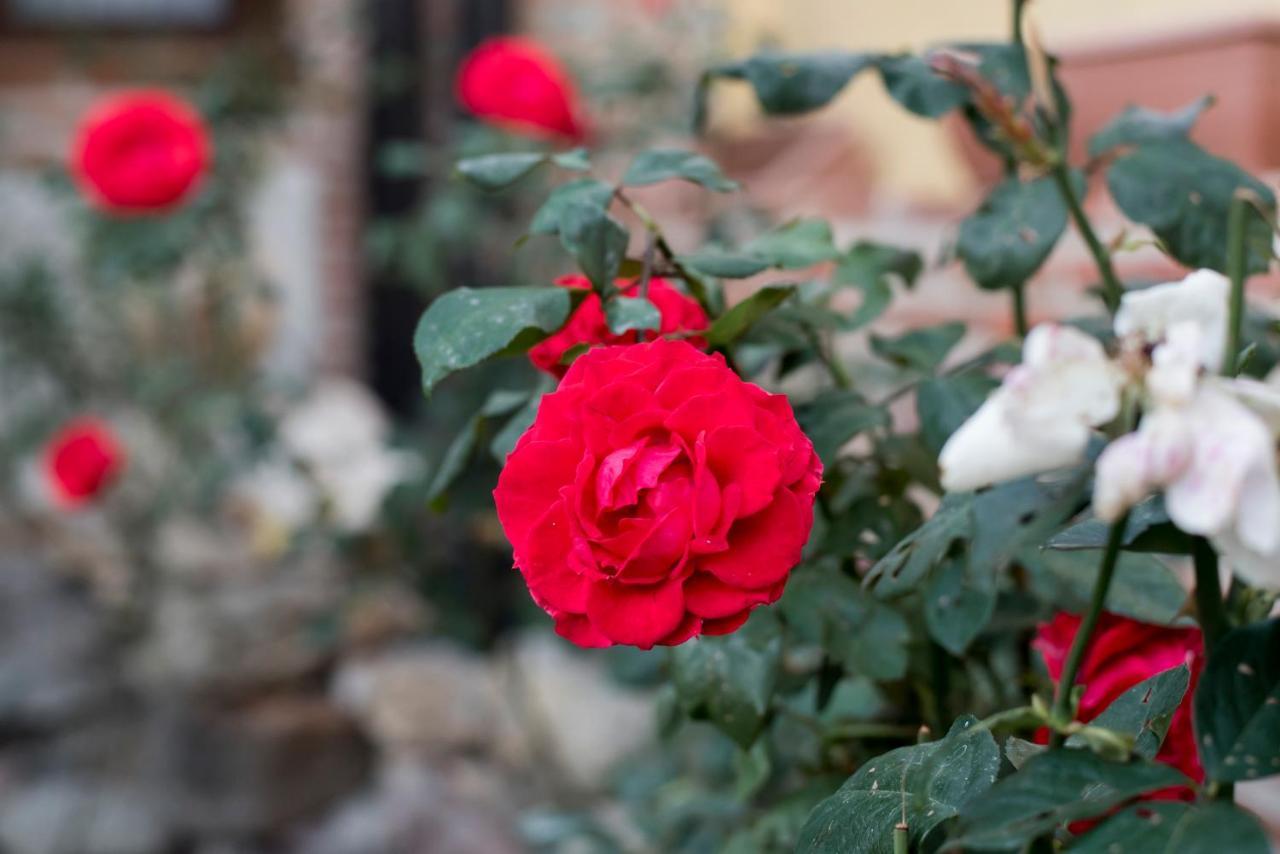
point(910, 605)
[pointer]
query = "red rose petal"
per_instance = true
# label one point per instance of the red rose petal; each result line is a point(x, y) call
point(518, 84)
point(688, 627)
point(640, 616)
point(140, 152)
point(576, 628)
point(530, 483)
point(546, 565)
point(765, 547)
point(725, 626)
point(740, 455)
point(708, 596)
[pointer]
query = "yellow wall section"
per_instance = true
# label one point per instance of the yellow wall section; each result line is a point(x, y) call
point(914, 157)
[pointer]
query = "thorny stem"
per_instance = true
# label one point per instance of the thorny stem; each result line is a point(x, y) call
point(655, 233)
point(1111, 288)
point(1080, 645)
point(647, 272)
point(1236, 272)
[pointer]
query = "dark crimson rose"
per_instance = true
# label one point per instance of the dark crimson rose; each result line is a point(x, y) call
point(657, 496)
point(140, 152)
point(587, 325)
point(518, 84)
point(82, 460)
point(1123, 653)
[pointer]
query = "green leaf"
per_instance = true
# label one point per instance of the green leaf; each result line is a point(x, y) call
point(453, 463)
point(795, 245)
point(1237, 705)
point(901, 571)
point(735, 322)
point(504, 440)
point(920, 350)
point(496, 171)
point(585, 191)
point(1184, 194)
point(465, 326)
point(944, 403)
point(665, 164)
point(1052, 789)
point(1019, 751)
point(725, 265)
point(1013, 231)
point(930, 782)
point(1022, 513)
point(1145, 711)
point(834, 417)
point(1148, 530)
point(824, 606)
point(913, 84)
point(787, 84)
point(1137, 125)
point(869, 267)
point(575, 160)
point(624, 314)
point(595, 239)
point(731, 679)
point(958, 602)
point(1155, 827)
point(1143, 588)
point(454, 460)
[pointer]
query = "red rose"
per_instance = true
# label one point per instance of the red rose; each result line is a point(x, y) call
point(82, 460)
point(680, 313)
point(657, 496)
point(1122, 653)
point(141, 151)
point(517, 84)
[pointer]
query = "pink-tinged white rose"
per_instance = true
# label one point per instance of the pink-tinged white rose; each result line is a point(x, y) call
point(1041, 417)
point(1200, 299)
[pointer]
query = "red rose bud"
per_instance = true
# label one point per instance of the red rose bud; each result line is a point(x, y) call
point(657, 496)
point(82, 460)
point(1122, 653)
point(517, 84)
point(587, 325)
point(142, 151)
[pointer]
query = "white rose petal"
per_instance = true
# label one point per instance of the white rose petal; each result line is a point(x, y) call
point(1201, 298)
point(1040, 417)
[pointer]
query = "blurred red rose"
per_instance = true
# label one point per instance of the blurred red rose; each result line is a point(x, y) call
point(81, 460)
point(587, 325)
point(517, 84)
point(142, 151)
point(1123, 653)
point(657, 496)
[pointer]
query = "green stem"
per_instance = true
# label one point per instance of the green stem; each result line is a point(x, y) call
point(901, 839)
point(1236, 272)
point(1019, 293)
point(1018, 7)
point(1209, 605)
point(1080, 645)
point(1111, 288)
point(839, 374)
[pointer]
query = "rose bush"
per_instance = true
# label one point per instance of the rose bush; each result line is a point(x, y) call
point(589, 326)
point(81, 460)
point(141, 151)
point(657, 497)
point(518, 84)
